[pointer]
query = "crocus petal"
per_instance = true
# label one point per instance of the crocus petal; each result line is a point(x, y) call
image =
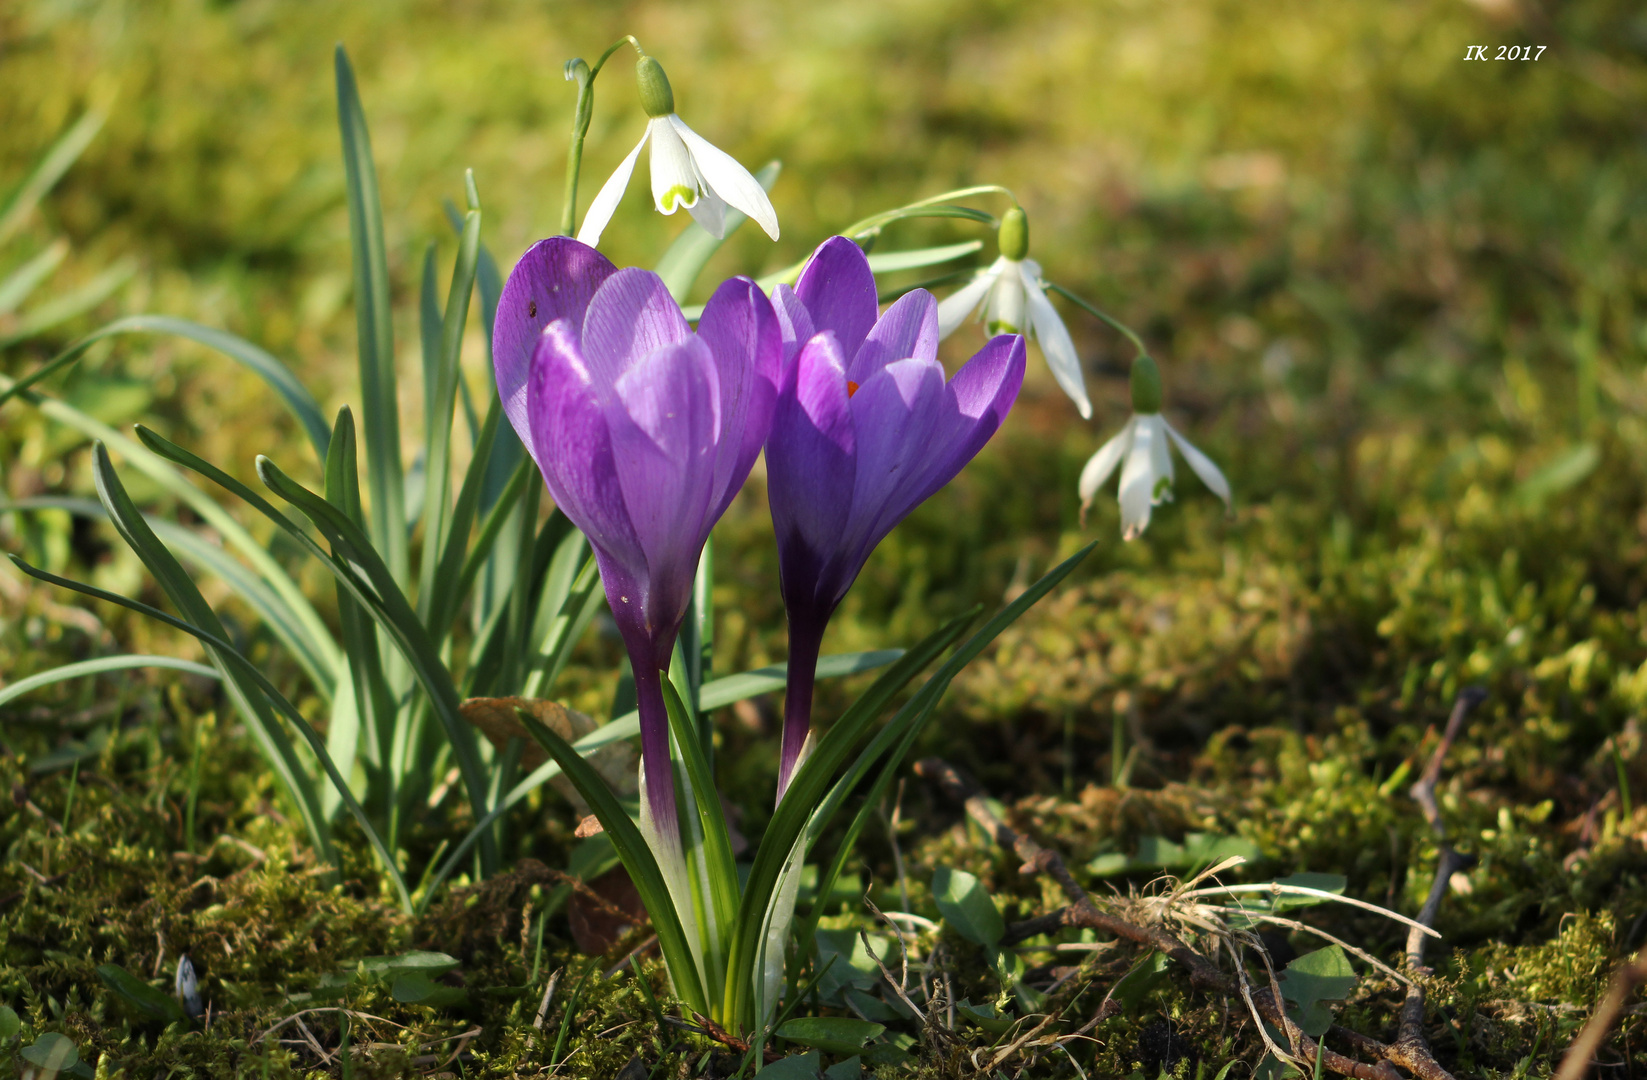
point(1100, 465)
point(811, 470)
point(908, 329)
point(1138, 476)
point(795, 320)
point(742, 332)
point(674, 180)
point(723, 175)
point(665, 420)
point(895, 415)
point(1203, 466)
point(573, 444)
point(977, 401)
point(630, 316)
point(839, 292)
point(555, 279)
point(606, 201)
point(1056, 346)
point(954, 308)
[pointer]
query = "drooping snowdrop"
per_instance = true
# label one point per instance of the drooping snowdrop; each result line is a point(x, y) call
point(1146, 476)
point(687, 170)
point(1011, 295)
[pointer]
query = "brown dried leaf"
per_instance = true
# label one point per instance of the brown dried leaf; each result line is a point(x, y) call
point(496, 719)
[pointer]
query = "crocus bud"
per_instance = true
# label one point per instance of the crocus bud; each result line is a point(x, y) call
point(656, 96)
point(1013, 236)
point(1146, 386)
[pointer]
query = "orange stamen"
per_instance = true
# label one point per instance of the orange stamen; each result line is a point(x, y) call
point(851, 388)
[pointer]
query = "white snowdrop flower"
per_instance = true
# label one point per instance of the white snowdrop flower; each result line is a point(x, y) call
point(1146, 476)
point(1012, 297)
point(687, 170)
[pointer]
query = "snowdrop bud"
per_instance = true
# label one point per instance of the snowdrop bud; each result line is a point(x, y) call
point(656, 96)
point(1146, 386)
point(1013, 236)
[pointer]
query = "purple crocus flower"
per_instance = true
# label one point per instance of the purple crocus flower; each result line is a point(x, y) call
point(644, 432)
point(866, 428)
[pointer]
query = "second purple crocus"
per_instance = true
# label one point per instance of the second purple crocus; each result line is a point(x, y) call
point(865, 429)
point(644, 432)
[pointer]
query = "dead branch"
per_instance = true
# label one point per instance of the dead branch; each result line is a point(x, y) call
point(1203, 973)
point(1581, 1054)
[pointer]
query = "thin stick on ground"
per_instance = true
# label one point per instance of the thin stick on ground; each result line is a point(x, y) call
point(1203, 973)
point(1580, 1056)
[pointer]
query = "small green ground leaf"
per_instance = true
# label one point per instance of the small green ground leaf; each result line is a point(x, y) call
point(836, 1034)
point(152, 1003)
point(1333, 883)
point(794, 1067)
point(416, 988)
point(850, 1069)
point(986, 1016)
point(52, 1052)
point(967, 906)
point(1316, 977)
point(10, 1025)
point(1137, 983)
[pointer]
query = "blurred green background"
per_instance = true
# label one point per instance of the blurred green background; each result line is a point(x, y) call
point(1397, 295)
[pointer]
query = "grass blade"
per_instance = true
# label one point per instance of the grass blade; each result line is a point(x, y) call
point(717, 843)
point(382, 598)
point(99, 666)
point(246, 669)
point(53, 164)
point(380, 408)
point(182, 592)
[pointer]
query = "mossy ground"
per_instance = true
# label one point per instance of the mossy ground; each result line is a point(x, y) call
point(1398, 296)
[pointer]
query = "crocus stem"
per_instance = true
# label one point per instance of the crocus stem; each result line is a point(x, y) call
point(654, 727)
point(804, 643)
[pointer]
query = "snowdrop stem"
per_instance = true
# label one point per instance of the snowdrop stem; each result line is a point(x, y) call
point(875, 222)
point(581, 73)
point(1120, 327)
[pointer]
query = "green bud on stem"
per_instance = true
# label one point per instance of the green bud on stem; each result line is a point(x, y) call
point(657, 98)
point(1013, 236)
point(1146, 385)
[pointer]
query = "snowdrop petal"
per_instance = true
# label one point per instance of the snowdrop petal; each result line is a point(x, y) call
point(726, 178)
point(954, 308)
point(710, 212)
point(611, 193)
point(1100, 465)
point(1056, 345)
point(1203, 466)
point(1139, 477)
point(674, 180)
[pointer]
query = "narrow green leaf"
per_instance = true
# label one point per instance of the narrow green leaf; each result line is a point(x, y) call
point(381, 596)
point(180, 589)
point(380, 407)
point(64, 306)
point(448, 589)
point(50, 168)
point(245, 668)
point(21, 282)
point(98, 667)
point(890, 262)
point(437, 455)
point(318, 658)
point(717, 843)
point(264, 364)
point(637, 859)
